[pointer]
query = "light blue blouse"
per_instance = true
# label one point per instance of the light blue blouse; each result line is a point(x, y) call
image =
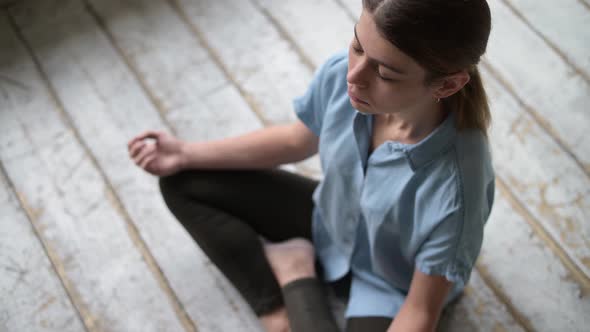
point(405, 206)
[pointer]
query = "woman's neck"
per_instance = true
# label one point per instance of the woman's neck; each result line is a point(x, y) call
point(408, 128)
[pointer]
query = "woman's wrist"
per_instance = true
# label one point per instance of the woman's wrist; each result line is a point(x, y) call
point(184, 159)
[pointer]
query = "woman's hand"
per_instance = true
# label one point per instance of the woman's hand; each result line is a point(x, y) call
point(157, 152)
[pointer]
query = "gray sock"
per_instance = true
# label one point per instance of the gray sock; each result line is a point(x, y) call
point(307, 306)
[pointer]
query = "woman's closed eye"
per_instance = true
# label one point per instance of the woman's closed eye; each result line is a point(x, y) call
point(383, 77)
point(359, 51)
point(356, 49)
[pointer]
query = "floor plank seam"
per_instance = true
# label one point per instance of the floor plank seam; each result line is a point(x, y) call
point(83, 312)
point(221, 65)
point(178, 9)
point(134, 233)
point(577, 275)
point(346, 10)
point(158, 105)
point(585, 4)
point(539, 119)
point(284, 34)
point(520, 318)
point(546, 40)
point(75, 299)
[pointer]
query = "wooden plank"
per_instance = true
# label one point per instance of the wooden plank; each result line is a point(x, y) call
point(552, 187)
point(261, 61)
point(353, 7)
point(565, 27)
point(33, 298)
point(478, 309)
point(554, 92)
point(532, 278)
point(191, 92)
point(69, 202)
point(299, 20)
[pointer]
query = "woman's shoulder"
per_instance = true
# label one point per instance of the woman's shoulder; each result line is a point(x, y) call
point(462, 176)
point(473, 154)
point(473, 173)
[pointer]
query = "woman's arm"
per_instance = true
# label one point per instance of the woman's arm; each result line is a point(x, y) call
point(423, 305)
point(265, 148)
point(161, 154)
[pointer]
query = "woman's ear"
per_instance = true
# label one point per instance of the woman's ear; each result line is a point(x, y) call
point(450, 84)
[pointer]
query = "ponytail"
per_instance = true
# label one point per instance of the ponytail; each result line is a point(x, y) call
point(470, 104)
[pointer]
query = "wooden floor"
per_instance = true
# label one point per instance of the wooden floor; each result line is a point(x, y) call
point(86, 243)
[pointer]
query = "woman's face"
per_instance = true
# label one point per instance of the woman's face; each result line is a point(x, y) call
point(381, 78)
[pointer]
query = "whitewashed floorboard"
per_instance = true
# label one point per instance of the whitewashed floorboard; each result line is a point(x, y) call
point(477, 310)
point(319, 28)
point(541, 79)
point(104, 273)
point(188, 87)
point(260, 60)
point(566, 25)
point(533, 279)
point(31, 293)
point(549, 184)
point(353, 7)
point(262, 63)
point(89, 72)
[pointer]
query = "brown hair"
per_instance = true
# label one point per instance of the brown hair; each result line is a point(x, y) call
point(444, 37)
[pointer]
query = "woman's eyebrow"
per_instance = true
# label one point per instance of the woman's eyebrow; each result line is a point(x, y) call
point(381, 63)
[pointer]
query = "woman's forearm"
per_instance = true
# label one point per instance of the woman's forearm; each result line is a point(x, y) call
point(265, 148)
point(413, 320)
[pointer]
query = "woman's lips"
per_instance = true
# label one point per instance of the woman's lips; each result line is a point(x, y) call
point(356, 99)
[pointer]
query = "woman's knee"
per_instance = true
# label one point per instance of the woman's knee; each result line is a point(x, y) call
point(170, 185)
point(181, 186)
point(182, 183)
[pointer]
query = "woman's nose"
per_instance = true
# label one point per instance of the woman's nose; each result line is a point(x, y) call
point(357, 74)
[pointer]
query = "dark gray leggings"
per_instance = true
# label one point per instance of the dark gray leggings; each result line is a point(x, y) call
point(226, 211)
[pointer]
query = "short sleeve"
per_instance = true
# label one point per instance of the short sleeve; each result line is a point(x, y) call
point(311, 107)
point(459, 209)
point(451, 249)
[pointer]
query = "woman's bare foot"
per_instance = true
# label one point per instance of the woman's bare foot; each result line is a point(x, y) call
point(276, 321)
point(291, 260)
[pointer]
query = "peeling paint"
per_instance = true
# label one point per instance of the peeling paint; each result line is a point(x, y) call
point(50, 300)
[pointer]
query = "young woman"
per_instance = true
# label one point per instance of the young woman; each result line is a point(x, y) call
point(397, 221)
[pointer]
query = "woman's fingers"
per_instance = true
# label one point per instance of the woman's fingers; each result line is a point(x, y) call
point(144, 152)
point(146, 134)
point(147, 160)
point(135, 148)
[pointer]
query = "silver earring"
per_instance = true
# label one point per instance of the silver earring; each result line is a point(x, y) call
point(438, 100)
